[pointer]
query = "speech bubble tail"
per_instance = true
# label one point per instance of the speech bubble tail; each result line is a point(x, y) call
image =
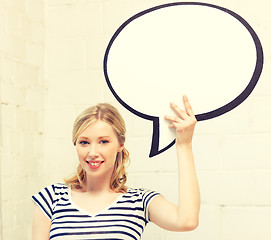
point(156, 139)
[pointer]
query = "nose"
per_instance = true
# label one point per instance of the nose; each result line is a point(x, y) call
point(92, 154)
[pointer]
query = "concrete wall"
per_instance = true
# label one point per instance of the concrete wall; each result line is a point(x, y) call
point(51, 69)
point(22, 111)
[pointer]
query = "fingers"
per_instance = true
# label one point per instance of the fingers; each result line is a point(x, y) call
point(184, 122)
point(180, 112)
point(187, 105)
point(173, 125)
point(173, 119)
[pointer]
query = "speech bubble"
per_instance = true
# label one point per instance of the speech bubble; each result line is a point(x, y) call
point(205, 51)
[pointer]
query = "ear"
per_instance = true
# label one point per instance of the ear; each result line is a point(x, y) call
point(121, 147)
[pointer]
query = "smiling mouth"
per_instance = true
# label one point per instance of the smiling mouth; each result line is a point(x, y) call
point(94, 164)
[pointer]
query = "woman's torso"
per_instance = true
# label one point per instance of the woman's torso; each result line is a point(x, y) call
point(125, 218)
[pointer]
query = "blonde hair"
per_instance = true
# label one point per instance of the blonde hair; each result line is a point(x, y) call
point(110, 115)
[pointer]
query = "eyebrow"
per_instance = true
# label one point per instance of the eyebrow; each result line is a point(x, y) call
point(98, 137)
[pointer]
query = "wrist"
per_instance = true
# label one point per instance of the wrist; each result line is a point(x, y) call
point(184, 145)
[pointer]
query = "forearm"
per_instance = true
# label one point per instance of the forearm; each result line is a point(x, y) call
point(188, 188)
point(186, 213)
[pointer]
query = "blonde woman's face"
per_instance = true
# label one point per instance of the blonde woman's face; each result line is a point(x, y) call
point(97, 147)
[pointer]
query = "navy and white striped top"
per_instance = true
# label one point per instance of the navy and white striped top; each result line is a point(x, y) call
point(126, 218)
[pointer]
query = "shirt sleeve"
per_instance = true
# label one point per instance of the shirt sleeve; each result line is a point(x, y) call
point(147, 198)
point(45, 200)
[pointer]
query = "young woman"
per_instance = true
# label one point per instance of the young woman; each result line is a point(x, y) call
point(96, 204)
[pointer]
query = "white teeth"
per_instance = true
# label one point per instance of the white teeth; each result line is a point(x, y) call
point(94, 163)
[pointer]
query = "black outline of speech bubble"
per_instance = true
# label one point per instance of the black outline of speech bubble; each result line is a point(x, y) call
point(200, 117)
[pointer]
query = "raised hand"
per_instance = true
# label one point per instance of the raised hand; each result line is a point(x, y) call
point(184, 122)
point(185, 215)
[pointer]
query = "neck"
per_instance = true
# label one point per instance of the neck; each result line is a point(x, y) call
point(97, 185)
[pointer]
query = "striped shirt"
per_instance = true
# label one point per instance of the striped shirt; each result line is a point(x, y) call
point(126, 218)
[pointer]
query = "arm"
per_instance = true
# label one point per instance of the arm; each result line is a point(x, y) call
point(41, 225)
point(184, 216)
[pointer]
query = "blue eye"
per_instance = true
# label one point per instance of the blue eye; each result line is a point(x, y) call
point(104, 141)
point(83, 142)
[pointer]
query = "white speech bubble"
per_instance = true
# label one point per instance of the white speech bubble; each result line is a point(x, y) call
point(204, 51)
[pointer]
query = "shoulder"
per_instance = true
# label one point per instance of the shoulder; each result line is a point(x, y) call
point(56, 189)
point(141, 193)
point(140, 198)
point(59, 188)
point(49, 196)
point(52, 192)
